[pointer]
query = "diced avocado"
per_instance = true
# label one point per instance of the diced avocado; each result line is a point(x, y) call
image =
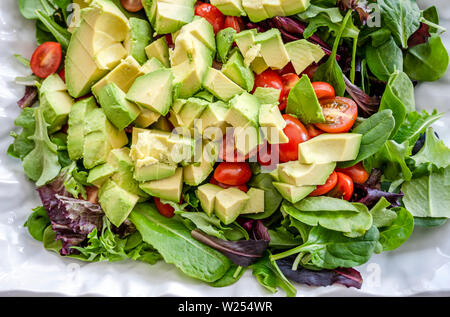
point(229, 7)
point(229, 204)
point(151, 65)
point(75, 133)
point(273, 8)
point(238, 72)
point(169, 17)
point(255, 203)
point(303, 53)
point(258, 65)
point(267, 95)
point(154, 171)
point(207, 196)
point(118, 110)
point(338, 147)
point(224, 43)
point(220, 85)
point(205, 96)
point(95, 46)
point(201, 29)
point(162, 124)
point(123, 75)
point(302, 102)
point(272, 49)
point(213, 120)
point(291, 7)
point(298, 174)
point(159, 50)
point(272, 124)
point(146, 118)
point(116, 202)
point(192, 110)
point(275, 175)
point(138, 39)
point(100, 137)
point(245, 41)
point(194, 174)
point(167, 188)
point(293, 193)
point(189, 77)
point(255, 10)
point(247, 139)
point(100, 174)
point(153, 91)
point(55, 102)
point(244, 111)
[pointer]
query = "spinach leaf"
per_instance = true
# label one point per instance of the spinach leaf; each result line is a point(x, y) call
point(401, 18)
point(176, 245)
point(272, 198)
point(429, 222)
point(330, 249)
point(398, 232)
point(385, 59)
point(434, 151)
point(37, 222)
point(41, 164)
point(233, 275)
point(381, 214)
point(333, 13)
point(392, 160)
point(429, 195)
point(28, 8)
point(414, 125)
point(281, 238)
point(375, 131)
point(427, 61)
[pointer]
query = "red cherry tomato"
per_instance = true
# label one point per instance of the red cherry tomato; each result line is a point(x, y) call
point(269, 79)
point(243, 188)
point(310, 71)
point(132, 5)
point(62, 74)
point(356, 172)
point(313, 131)
point(344, 187)
point(323, 90)
point(289, 68)
point(234, 22)
point(325, 188)
point(296, 132)
point(266, 154)
point(46, 59)
point(164, 209)
point(229, 153)
point(238, 173)
point(289, 81)
point(212, 15)
point(340, 115)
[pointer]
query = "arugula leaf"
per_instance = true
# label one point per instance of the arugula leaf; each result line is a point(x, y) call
point(394, 235)
point(41, 164)
point(22, 144)
point(434, 151)
point(414, 125)
point(385, 59)
point(61, 34)
point(37, 222)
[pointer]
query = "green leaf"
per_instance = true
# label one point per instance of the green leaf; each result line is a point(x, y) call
point(174, 242)
point(28, 7)
point(375, 131)
point(334, 13)
point(61, 34)
point(398, 232)
point(428, 196)
point(37, 222)
point(391, 159)
point(434, 151)
point(414, 125)
point(281, 238)
point(22, 144)
point(41, 164)
point(233, 275)
point(382, 215)
point(385, 59)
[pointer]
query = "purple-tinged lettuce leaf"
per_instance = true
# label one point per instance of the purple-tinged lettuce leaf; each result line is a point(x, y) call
point(361, 8)
point(420, 36)
point(29, 98)
point(367, 105)
point(242, 252)
point(370, 196)
point(347, 277)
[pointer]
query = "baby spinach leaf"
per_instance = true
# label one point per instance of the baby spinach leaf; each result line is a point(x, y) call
point(28, 8)
point(176, 245)
point(233, 275)
point(399, 231)
point(434, 151)
point(375, 131)
point(429, 195)
point(41, 164)
point(401, 18)
point(37, 222)
point(391, 159)
point(281, 238)
point(272, 198)
point(427, 61)
point(385, 59)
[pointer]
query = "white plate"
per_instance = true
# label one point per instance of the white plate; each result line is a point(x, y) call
point(421, 266)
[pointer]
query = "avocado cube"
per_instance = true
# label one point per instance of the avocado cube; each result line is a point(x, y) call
point(224, 43)
point(229, 204)
point(340, 147)
point(159, 50)
point(168, 188)
point(293, 193)
point(207, 196)
point(247, 139)
point(116, 202)
point(273, 50)
point(273, 8)
point(205, 96)
point(220, 85)
point(119, 111)
point(154, 172)
point(99, 174)
point(202, 30)
point(229, 7)
point(244, 111)
point(151, 65)
point(303, 53)
point(170, 17)
point(255, 10)
point(194, 174)
point(272, 124)
point(213, 121)
point(298, 174)
point(267, 95)
point(139, 38)
point(255, 202)
point(238, 72)
point(146, 118)
point(292, 7)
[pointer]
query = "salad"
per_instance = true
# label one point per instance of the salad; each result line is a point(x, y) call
point(279, 137)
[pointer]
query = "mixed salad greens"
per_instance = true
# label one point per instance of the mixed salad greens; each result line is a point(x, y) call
point(280, 136)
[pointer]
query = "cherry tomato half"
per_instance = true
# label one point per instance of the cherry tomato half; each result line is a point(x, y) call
point(164, 209)
point(313, 131)
point(234, 22)
point(212, 15)
point(340, 115)
point(229, 153)
point(356, 172)
point(296, 132)
point(289, 80)
point(46, 59)
point(243, 188)
point(327, 187)
point(266, 155)
point(62, 74)
point(238, 173)
point(323, 90)
point(132, 5)
point(269, 79)
point(344, 187)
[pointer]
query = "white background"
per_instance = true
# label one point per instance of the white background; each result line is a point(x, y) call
point(421, 266)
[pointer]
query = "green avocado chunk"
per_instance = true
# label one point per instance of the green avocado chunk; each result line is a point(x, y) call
point(229, 7)
point(138, 39)
point(100, 174)
point(255, 202)
point(293, 193)
point(244, 111)
point(235, 69)
point(207, 196)
point(298, 174)
point(224, 43)
point(303, 53)
point(229, 203)
point(168, 188)
point(220, 85)
point(159, 50)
